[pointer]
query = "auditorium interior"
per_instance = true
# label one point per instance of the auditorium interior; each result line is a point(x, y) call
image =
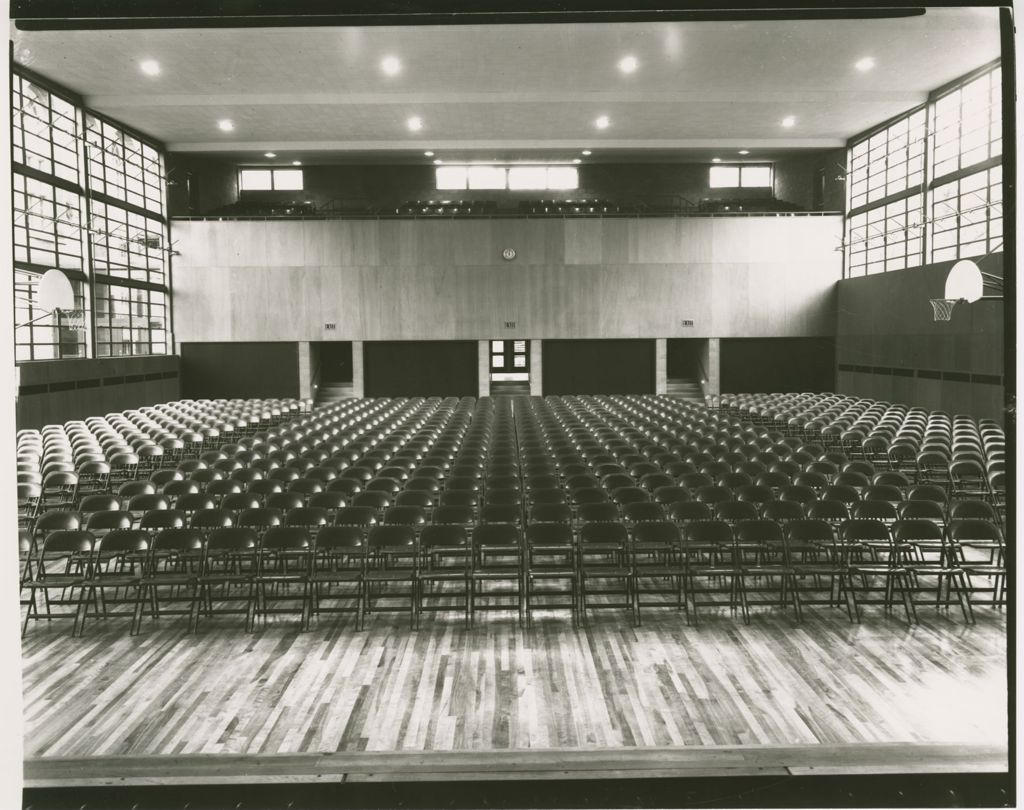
point(559, 410)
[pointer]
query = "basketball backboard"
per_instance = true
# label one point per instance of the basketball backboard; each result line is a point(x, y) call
point(965, 282)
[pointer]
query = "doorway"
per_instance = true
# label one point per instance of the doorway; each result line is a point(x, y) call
point(331, 364)
point(335, 360)
point(685, 367)
point(510, 368)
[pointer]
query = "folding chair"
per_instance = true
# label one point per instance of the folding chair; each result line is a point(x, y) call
point(63, 561)
point(604, 556)
point(390, 572)
point(497, 558)
point(443, 571)
point(550, 558)
point(282, 564)
point(338, 561)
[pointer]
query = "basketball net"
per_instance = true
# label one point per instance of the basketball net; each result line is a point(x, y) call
point(71, 318)
point(942, 308)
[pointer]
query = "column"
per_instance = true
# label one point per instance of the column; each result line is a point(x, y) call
point(660, 365)
point(358, 376)
point(305, 371)
point(536, 368)
point(713, 386)
point(483, 365)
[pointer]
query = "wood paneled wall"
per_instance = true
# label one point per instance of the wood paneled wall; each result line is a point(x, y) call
point(58, 391)
point(885, 324)
point(445, 279)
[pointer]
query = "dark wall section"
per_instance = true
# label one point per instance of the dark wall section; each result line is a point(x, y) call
point(196, 185)
point(683, 357)
point(213, 184)
point(815, 181)
point(331, 360)
point(428, 368)
point(890, 347)
point(598, 366)
point(239, 370)
point(55, 392)
point(777, 364)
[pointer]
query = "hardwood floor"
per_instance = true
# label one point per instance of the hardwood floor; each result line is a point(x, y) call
point(498, 687)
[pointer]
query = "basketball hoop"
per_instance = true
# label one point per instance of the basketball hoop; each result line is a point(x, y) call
point(71, 318)
point(54, 294)
point(966, 283)
point(942, 308)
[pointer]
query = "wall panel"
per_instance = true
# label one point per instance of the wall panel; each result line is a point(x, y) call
point(421, 368)
point(62, 390)
point(885, 321)
point(239, 370)
point(598, 366)
point(446, 279)
point(777, 364)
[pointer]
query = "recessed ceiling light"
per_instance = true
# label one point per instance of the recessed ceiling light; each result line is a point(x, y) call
point(270, 154)
point(744, 151)
point(716, 160)
point(24, 54)
point(789, 121)
point(577, 160)
point(296, 163)
point(586, 152)
point(225, 125)
point(627, 64)
point(391, 66)
point(865, 64)
point(429, 154)
point(602, 122)
point(438, 162)
point(415, 123)
point(150, 67)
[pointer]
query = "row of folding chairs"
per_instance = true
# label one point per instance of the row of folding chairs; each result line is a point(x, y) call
point(360, 570)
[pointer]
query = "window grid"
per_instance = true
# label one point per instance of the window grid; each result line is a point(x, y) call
point(122, 167)
point(967, 127)
point(44, 130)
point(889, 237)
point(50, 337)
point(964, 215)
point(967, 216)
point(130, 321)
point(47, 224)
point(126, 244)
point(889, 162)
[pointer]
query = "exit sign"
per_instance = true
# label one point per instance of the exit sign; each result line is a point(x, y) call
point(686, 322)
point(330, 326)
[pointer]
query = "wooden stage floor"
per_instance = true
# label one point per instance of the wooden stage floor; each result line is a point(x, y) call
point(334, 703)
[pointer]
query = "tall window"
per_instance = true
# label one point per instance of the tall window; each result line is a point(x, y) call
point(97, 214)
point(888, 162)
point(44, 130)
point(968, 124)
point(967, 216)
point(897, 198)
point(123, 167)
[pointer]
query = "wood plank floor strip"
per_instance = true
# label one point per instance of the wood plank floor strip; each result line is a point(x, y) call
point(662, 762)
point(499, 686)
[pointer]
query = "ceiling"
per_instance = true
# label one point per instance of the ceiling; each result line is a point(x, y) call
point(515, 92)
